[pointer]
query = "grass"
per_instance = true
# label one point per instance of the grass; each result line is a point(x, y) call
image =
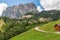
point(35, 35)
point(50, 26)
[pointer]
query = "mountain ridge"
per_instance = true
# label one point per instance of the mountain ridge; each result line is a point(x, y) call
point(19, 10)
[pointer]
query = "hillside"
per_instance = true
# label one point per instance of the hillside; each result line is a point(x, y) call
point(50, 26)
point(37, 35)
point(1, 24)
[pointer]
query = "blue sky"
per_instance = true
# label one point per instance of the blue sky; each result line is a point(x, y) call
point(43, 4)
point(15, 2)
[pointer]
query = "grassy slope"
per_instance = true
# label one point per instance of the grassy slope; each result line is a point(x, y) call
point(35, 35)
point(50, 26)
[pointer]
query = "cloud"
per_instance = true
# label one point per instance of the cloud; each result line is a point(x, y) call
point(50, 4)
point(3, 6)
point(39, 8)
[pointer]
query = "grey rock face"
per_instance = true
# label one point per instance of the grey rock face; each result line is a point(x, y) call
point(19, 10)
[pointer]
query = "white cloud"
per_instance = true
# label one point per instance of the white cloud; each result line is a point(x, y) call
point(3, 6)
point(50, 4)
point(39, 8)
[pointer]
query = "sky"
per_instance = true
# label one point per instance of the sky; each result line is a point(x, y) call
point(50, 4)
point(6, 3)
point(15, 2)
point(40, 4)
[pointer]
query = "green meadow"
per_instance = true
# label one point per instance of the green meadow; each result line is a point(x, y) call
point(33, 34)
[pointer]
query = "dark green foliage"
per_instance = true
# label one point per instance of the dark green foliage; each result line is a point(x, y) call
point(1, 36)
point(13, 27)
point(54, 14)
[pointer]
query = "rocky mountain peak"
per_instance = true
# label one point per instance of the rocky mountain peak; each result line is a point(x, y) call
point(19, 10)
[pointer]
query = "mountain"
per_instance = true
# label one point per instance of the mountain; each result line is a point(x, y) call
point(19, 10)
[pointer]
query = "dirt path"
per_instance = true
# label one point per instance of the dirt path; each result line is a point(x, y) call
point(37, 28)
